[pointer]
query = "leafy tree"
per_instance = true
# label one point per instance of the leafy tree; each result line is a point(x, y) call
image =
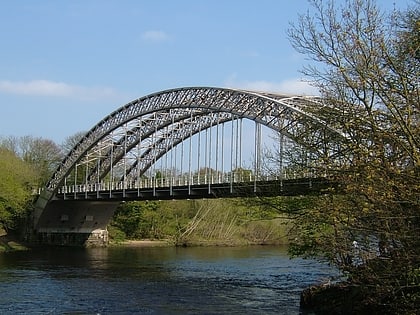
point(43, 154)
point(135, 219)
point(366, 66)
point(17, 179)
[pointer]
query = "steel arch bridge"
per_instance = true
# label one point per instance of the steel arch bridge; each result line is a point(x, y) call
point(141, 132)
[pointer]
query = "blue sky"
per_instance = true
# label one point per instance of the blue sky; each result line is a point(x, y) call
point(65, 65)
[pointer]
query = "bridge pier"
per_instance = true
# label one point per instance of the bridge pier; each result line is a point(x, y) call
point(96, 238)
point(74, 223)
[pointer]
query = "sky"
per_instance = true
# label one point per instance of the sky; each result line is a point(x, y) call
point(65, 65)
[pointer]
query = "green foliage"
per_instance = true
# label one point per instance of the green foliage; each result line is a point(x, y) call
point(369, 80)
point(132, 218)
point(116, 234)
point(17, 179)
point(26, 164)
point(220, 221)
point(42, 154)
point(265, 231)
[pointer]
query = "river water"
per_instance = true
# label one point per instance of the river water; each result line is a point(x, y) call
point(155, 280)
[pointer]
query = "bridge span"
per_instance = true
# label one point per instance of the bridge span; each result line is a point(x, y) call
point(263, 188)
point(180, 144)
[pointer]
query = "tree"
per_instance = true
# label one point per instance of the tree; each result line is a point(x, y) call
point(43, 154)
point(71, 141)
point(16, 184)
point(366, 66)
point(136, 219)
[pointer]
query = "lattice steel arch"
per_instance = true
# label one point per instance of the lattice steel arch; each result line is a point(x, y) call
point(200, 121)
point(283, 113)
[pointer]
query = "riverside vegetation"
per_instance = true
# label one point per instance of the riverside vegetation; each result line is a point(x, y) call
point(226, 222)
point(365, 63)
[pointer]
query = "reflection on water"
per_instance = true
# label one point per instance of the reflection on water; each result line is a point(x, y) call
point(129, 280)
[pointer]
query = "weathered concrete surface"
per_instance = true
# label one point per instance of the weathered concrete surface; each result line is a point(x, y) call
point(78, 223)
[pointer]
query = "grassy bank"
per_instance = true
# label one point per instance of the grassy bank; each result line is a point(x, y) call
point(221, 222)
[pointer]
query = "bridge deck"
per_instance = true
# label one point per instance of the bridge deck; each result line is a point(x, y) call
point(291, 187)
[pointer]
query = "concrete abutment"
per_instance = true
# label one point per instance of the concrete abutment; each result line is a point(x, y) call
point(74, 223)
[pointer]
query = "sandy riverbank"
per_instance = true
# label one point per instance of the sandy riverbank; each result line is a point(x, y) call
point(145, 243)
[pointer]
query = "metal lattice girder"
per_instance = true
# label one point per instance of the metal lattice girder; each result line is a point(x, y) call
point(140, 129)
point(162, 145)
point(282, 113)
point(157, 135)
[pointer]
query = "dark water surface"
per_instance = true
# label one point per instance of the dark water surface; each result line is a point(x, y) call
point(155, 280)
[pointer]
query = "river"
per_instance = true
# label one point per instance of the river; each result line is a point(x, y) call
point(155, 280)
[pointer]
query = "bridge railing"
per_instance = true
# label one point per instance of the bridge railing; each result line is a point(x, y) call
point(181, 180)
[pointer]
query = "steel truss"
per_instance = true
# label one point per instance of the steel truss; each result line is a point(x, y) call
point(138, 134)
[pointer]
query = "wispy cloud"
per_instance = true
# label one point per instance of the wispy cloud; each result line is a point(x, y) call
point(55, 89)
point(155, 36)
point(290, 86)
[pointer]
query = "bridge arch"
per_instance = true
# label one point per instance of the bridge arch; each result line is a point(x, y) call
point(199, 108)
point(156, 124)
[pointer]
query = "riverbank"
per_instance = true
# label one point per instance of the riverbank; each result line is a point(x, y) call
point(195, 243)
point(348, 297)
point(142, 243)
point(8, 244)
point(340, 298)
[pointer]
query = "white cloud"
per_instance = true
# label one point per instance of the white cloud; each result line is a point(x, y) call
point(155, 36)
point(57, 89)
point(291, 86)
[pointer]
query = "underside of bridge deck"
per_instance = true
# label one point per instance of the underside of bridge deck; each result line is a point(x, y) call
point(75, 223)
